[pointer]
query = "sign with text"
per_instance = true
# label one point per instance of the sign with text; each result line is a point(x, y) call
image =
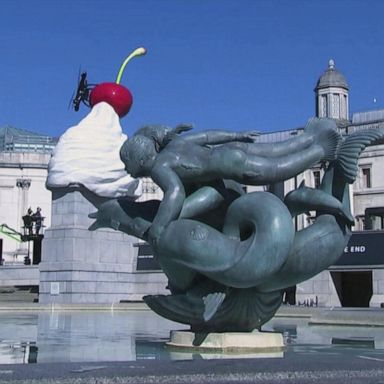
point(364, 249)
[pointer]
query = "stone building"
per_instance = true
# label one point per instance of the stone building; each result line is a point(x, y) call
point(24, 157)
point(358, 277)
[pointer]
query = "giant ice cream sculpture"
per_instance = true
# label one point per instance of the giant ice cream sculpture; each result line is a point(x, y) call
point(88, 154)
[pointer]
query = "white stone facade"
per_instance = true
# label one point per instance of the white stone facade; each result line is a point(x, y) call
point(368, 194)
point(22, 185)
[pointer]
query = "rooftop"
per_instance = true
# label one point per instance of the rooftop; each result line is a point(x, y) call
point(20, 140)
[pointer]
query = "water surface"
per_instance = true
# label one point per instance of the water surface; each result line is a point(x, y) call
point(86, 336)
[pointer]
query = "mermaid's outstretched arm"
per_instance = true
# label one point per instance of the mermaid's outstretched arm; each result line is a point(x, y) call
point(219, 137)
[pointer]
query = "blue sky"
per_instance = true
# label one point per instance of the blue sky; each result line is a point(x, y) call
point(229, 64)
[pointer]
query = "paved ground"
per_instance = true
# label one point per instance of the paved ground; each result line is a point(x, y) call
point(322, 368)
point(310, 369)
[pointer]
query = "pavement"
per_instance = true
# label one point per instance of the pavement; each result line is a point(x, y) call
point(318, 366)
point(310, 369)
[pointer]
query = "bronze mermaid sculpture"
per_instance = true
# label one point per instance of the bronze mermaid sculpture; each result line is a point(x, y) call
point(227, 254)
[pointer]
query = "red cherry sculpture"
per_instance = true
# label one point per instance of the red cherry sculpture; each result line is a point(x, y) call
point(116, 95)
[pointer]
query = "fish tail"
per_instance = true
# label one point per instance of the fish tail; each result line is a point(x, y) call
point(212, 303)
point(352, 147)
point(325, 134)
point(346, 206)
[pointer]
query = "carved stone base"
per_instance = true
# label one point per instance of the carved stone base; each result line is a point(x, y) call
point(233, 344)
point(80, 266)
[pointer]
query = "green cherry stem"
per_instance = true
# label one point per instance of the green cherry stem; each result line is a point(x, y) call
point(137, 52)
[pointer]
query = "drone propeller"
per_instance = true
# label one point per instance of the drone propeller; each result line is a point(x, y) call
point(70, 103)
point(71, 100)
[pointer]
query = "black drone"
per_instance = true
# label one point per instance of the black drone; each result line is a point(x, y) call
point(82, 93)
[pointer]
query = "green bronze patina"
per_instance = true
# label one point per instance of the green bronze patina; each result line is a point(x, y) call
point(227, 254)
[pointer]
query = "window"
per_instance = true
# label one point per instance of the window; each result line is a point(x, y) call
point(324, 106)
point(316, 177)
point(335, 106)
point(366, 173)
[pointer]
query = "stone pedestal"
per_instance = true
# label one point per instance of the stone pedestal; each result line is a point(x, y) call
point(377, 299)
point(228, 344)
point(80, 266)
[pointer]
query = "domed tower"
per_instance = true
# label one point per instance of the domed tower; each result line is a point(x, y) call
point(332, 94)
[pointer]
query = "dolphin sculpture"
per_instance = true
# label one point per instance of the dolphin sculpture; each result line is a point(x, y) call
point(232, 279)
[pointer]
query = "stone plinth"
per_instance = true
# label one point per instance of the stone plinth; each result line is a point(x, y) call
point(80, 266)
point(234, 343)
point(377, 299)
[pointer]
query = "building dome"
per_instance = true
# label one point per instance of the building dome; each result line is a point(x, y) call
point(332, 94)
point(331, 78)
